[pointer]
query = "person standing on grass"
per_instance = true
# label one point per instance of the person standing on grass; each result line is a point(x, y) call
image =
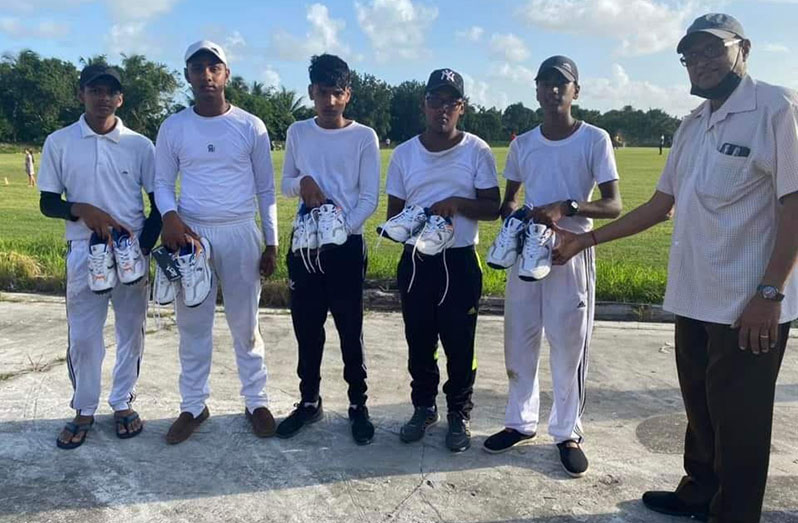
point(101, 167)
point(224, 159)
point(29, 168)
point(559, 163)
point(732, 179)
point(329, 157)
point(453, 174)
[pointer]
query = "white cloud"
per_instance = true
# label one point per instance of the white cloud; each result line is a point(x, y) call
point(127, 38)
point(128, 33)
point(127, 10)
point(509, 47)
point(620, 90)
point(396, 28)
point(515, 73)
point(473, 33)
point(234, 44)
point(271, 77)
point(321, 37)
point(483, 93)
point(775, 48)
point(15, 28)
point(30, 6)
point(640, 26)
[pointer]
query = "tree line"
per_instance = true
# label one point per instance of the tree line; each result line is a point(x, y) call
point(38, 96)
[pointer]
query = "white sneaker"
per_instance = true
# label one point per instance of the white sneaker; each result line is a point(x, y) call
point(331, 226)
point(536, 253)
point(131, 265)
point(306, 226)
point(164, 290)
point(298, 239)
point(404, 225)
point(507, 245)
point(435, 236)
point(196, 276)
point(102, 266)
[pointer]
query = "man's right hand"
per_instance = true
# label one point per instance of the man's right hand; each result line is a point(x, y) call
point(175, 231)
point(99, 221)
point(507, 209)
point(311, 193)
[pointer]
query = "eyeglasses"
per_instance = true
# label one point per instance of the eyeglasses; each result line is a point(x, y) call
point(709, 52)
point(433, 102)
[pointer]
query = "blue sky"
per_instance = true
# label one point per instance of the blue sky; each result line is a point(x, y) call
point(624, 48)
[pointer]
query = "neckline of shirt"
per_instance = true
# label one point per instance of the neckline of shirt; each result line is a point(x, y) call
point(564, 141)
point(455, 147)
point(228, 112)
point(352, 124)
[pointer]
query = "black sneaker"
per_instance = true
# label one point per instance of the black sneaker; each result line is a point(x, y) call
point(670, 503)
point(302, 415)
point(362, 428)
point(504, 440)
point(573, 459)
point(458, 438)
point(423, 418)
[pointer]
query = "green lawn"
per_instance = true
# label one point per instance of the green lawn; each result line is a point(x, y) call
point(31, 246)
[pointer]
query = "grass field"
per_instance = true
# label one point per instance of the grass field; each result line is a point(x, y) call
point(631, 270)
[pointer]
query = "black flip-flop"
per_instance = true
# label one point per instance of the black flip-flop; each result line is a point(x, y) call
point(74, 429)
point(125, 421)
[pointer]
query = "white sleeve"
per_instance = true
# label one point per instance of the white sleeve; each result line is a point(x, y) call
point(368, 183)
point(395, 182)
point(667, 180)
point(486, 176)
point(512, 171)
point(50, 169)
point(291, 175)
point(264, 182)
point(603, 156)
point(148, 167)
point(167, 166)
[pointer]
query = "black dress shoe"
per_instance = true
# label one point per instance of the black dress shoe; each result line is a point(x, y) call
point(671, 504)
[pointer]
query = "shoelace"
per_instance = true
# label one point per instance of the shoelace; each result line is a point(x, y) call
point(406, 215)
point(125, 253)
point(438, 230)
point(97, 262)
point(186, 264)
point(531, 248)
point(505, 238)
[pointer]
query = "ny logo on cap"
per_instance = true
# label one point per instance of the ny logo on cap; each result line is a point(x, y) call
point(448, 75)
point(211, 148)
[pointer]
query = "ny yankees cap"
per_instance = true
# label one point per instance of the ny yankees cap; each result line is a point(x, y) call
point(446, 78)
point(93, 72)
point(721, 25)
point(564, 65)
point(206, 45)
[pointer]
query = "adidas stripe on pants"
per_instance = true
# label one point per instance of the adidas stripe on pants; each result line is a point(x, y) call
point(236, 249)
point(86, 315)
point(561, 307)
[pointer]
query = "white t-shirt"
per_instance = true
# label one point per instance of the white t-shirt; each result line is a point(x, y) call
point(105, 170)
point(224, 163)
point(420, 177)
point(557, 170)
point(345, 163)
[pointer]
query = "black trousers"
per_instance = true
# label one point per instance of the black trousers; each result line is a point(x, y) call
point(454, 321)
point(339, 290)
point(728, 395)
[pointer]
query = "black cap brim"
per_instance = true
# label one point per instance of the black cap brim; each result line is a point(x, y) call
point(96, 77)
point(562, 70)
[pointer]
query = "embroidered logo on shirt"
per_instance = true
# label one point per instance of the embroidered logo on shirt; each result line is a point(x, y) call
point(211, 148)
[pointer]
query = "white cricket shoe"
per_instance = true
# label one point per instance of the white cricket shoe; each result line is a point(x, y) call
point(305, 237)
point(404, 225)
point(164, 290)
point(435, 236)
point(196, 276)
point(507, 245)
point(331, 226)
point(102, 266)
point(536, 253)
point(131, 266)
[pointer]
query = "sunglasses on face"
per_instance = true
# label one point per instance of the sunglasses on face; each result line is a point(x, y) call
point(708, 52)
point(434, 102)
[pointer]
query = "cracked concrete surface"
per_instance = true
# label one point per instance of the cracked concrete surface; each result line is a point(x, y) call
point(634, 423)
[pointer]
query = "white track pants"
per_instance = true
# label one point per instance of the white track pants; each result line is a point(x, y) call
point(561, 306)
point(86, 314)
point(235, 257)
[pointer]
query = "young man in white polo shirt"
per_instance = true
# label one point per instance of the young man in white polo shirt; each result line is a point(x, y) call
point(329, 158)
point(224, 159)
point(732, 179)
point(453, 175)
point(100, 166)
point(559, 163)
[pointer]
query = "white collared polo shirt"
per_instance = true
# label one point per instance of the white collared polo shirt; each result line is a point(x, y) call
point(727, 171)
point(104, 170)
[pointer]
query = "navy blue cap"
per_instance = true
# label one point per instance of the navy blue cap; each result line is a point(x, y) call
point(446, 78)
point(721, 25)
point(564, 65)
point(93, 72)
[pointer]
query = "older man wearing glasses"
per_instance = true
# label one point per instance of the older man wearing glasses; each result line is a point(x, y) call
point(732, 178)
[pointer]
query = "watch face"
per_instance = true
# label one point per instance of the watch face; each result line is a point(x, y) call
point(769, 292)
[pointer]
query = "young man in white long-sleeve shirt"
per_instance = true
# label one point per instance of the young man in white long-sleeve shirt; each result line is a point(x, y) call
point(224, 159)
point(334, 161)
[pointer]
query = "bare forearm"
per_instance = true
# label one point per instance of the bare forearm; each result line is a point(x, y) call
point(605, 208)
point(658, 209)
point(785, 251)
point(479, 208)
point(511, 189)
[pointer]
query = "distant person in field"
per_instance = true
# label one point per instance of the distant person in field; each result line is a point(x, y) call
point(661, 143)
point(732, 179)
point(29, 168)
point(101, 167)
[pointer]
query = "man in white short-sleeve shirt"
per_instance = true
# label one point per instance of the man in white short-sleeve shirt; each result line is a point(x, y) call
point(559, 163)
point(453, 174)
point(732, 179)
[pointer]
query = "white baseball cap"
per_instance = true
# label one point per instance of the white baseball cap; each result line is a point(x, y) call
point(206, 45)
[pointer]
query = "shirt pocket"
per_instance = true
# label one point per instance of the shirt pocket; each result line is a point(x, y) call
point(723, 176)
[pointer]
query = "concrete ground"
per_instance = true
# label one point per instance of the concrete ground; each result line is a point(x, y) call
point(634, 423)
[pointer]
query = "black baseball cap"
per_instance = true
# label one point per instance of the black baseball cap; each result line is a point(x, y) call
point(445, 78)
point(721, 25)
point(94, 72)
point(564, 65)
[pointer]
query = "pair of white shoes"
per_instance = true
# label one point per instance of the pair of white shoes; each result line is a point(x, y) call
point(318, 228)
point(532, 242)
point(120, 259)
point(429, 234)
point(196, 275)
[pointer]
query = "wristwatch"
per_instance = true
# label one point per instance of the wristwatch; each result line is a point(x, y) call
point(571, 207)
point(769, 292)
